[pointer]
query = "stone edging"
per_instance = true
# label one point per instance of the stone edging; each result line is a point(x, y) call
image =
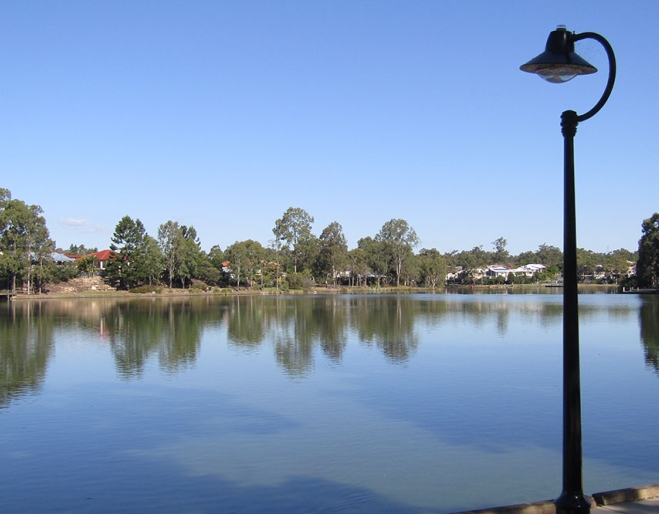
point(631, 494)
point(541, 507)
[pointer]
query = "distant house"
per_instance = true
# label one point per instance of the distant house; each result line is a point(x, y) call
point(454, 276)
point(101, 257)
point(57, 258)
point(527, 270)
point(497, 271)
point(530, 269)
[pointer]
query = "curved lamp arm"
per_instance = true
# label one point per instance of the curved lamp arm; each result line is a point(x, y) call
point(612, 71)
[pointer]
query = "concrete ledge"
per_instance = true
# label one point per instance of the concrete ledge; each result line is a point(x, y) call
point(542, 507)
point(631, 494)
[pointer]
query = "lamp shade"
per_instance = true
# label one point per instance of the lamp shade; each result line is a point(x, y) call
point(559, 62)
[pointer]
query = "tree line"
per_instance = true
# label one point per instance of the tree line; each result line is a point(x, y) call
point(294, 258)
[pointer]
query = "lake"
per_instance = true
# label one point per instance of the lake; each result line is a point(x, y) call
point(302, 404)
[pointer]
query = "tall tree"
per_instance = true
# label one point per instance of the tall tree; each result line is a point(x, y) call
point(128, 241)
point(433, 267)
point(647, 267)
point(399, 238)
point(190, 255)
point(275, 246)
point(169, 235)
point(587, 262)
point(550, 256)
point(358, 263)
point(153, 262)
point(410, 270)
point(181, 250)
point(80, 250)
point(216, 258)
point(24, 239)
point(376, 256)
point(208, 272)
point(616, 264)
point(245, 257)
point(501, 255)
point(333, 251)
point(294, 230)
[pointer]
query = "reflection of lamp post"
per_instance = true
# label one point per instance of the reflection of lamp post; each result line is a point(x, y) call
point(559, 63)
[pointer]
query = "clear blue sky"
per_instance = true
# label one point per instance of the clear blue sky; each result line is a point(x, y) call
point(222, 114)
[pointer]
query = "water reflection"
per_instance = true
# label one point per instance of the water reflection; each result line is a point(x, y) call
point(246, 322)
point(353, 430)
point(388, 322)
point(295, 328)
point(138, 329)
point(649, 320)
point(26, 345)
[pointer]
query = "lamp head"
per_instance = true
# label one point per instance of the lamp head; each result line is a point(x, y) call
point(559, 62)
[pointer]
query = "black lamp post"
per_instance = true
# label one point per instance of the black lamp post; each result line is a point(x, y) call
point(559, 63)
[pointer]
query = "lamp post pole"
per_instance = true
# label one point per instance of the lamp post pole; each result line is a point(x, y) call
point(559, 64)
point(571, 499)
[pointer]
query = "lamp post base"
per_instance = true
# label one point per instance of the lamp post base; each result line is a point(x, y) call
point(572, 503)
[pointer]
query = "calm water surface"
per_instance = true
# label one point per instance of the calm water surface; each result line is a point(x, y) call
point(401, 404)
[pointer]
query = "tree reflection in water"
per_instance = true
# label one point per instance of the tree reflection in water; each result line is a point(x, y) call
point(295, 327)
point(173, 328)
point(388, 322)
point(26, 344)
point(649, 320)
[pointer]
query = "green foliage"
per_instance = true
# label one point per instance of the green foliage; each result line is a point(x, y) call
point(181, 251)
point(177, 258)
point(399, 239)
point(80, 250)
point(88, 264)
point(527, 257)
point(25, 244)
point(216, 258)
point(300, 281)
point(245, 260)
point(432, 267)
point(169, 235)
point(127, 269)
point(209, 273)
point(145, 289)
point(152, 261)
point(293, 230)
point(472, 259)
point(647, 267)
point(376, 257)
point(63, 272)
point(587, 262)
point(333, 252)
point(357, 260)
point(501, 255)
point(550, 256)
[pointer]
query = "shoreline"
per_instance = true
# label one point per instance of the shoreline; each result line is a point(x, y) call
point(170, 293)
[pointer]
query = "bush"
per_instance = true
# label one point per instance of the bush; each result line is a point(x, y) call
point(145, 289)
point(302, 280)
point(629, 281)
point(199, 285)
point(64, 273)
